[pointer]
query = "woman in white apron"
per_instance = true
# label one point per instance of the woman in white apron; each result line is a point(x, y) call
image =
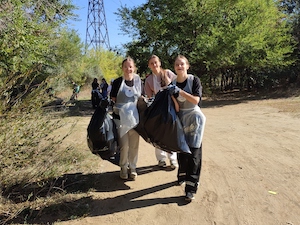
point(124, 93)
point(193, 122)
point(156, 81)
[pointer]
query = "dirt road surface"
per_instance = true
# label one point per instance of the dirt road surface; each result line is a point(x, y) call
point(250, 174)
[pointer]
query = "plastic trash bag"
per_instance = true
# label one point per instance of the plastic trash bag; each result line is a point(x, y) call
point(96, 98)
point(142, 105)
point(160, 125)
point(129, 117)
point(102, 137)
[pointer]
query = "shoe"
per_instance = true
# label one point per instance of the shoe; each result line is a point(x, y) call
point(133, 174)
point(162, 163)
point(189, 196)
point(173, 165)
point(124, 173)
point(180, 182)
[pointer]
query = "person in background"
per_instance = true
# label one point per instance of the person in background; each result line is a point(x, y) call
point(159, 78)
point(124, 93)
point(96, 96)
point(76, 90)
point(109, 87)
point(95, 84)
point(108, 93)
point(103, 87)
point(189, 93)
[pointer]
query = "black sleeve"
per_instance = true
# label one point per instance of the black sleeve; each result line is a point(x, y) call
point(197, 87)
point(143, 88)
point(115, 87)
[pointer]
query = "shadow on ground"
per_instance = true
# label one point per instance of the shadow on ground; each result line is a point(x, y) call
point(235, 97)
point(81, 204)
point(70, 108)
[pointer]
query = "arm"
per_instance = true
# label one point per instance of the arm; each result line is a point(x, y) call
point(147, 89)
point(176, 105)
point(195, 96)
point(169, 76)
point(114, 89)
point(191, 98)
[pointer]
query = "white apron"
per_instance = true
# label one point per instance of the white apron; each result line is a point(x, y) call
point(126, 105)
point(191, 117)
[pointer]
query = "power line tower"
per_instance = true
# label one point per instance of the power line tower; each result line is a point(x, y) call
point(96, 31)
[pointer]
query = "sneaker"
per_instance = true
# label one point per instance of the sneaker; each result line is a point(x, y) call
point(162, 163)
point(180, 182)
point(173, 165)
point(124, 173)
point(133, 174)
point(189, 196)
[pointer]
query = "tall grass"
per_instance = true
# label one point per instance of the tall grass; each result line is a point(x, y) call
point(31, 160)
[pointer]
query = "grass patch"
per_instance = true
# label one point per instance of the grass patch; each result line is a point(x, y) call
point(35, 157)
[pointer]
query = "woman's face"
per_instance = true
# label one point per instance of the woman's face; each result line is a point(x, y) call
point(128, 68)
point(181, 67)
point(154, 64)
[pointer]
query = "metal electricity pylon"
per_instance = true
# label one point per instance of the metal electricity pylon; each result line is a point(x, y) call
point(96, 31)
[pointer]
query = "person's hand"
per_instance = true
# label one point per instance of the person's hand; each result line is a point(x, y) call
point(173, 90)
point(166, 79)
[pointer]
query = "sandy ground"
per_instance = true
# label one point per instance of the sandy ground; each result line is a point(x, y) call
point(250, 174)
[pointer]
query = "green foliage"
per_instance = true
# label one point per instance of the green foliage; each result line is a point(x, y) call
point(31, 60)
point(68, 49)
point(214, 35)
point(102, 64)
point(247, 34)
point(27, 31)
point(37, 53)
point(67, 52)
point(291, 8)
point(20, 45)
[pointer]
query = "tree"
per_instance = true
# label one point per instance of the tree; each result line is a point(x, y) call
point(102, 64)
point(291, 8)
point(67, 54)
point(27, 30)
point(214, 35)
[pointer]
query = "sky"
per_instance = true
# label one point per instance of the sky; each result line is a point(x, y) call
point(113, 26)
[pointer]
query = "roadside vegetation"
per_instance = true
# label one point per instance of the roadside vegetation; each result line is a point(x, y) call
point(246, 47)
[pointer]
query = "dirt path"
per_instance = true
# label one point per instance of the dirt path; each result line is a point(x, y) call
point(250, 175)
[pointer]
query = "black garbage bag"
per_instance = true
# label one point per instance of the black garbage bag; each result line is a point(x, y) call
point(102, 137)
point(160, 125)
point(142, 107)
point(96, 98)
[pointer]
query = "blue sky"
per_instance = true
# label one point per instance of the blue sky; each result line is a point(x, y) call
point(113, 26)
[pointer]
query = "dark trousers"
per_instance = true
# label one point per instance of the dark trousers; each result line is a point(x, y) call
point(190, 168)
